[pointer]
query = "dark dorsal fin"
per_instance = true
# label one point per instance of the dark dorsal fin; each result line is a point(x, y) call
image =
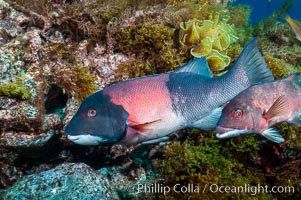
point(196, 66)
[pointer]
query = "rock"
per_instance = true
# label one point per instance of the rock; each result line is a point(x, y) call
point(38, 77)
point(66, 181)
point(128, 179)
point(45, 72)
point(23, 121)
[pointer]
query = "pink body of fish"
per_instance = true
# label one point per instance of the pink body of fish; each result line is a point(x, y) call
point(261, 106)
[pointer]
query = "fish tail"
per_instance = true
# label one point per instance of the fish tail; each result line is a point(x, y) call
point(250, 66)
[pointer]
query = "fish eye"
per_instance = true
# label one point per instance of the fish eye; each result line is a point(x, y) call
point(91, 112)
point(238, 113)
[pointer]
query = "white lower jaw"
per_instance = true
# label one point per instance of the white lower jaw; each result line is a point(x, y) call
point(233, 133)
point(86, 139)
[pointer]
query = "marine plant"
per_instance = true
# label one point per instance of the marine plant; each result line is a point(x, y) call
point(202, 161)
point(242, 27)
point(209, 38)
point(68, 73)
point(207, 9)
point(244, 148)
point(134, 39)
point(75, 80)
point(60, 68)
point(291, 133)
point(279, 67)
point(15, 88)
point(76, 20)
point(278, 42)
point(153, 48)
point(136, 68)
point(243, 11)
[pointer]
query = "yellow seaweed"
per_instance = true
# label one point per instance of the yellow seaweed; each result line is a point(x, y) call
point(218, 61)
point(209, 38)
point(192, 30)
point(203, 49)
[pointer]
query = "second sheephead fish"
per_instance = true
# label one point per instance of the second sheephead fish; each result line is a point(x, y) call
point(261, 106)
point(147, 109)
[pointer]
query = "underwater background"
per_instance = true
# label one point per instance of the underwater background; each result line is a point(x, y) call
point(54, 53)
point(263, 9)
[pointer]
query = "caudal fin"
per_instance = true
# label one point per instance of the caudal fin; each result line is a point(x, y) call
point(251, 64)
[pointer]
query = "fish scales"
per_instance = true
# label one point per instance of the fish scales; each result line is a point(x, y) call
point(260, 107)
point(135, 96)
point(265, 95)
point(193, 96)
point(147, 109)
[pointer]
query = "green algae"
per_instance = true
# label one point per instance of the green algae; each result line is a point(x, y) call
point(16, 88)
point(279, 68)
point(85, 82)
point(209, 38)
point(242, 27)
point(136, 68)
point(153, 47)
point(203, 161)
point(168, 45)
point(76, 81)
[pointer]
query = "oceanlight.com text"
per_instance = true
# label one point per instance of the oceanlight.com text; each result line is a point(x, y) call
point(251, 189)
point(213, 188)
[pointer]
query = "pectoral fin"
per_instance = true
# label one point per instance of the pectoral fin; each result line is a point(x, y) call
point(273, 135)
point(279, 107)
point(156, 141)
point(143, 127)
point(210, 121)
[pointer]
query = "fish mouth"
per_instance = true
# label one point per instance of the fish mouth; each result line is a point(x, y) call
point(230, 132)
point(87, 139)
point(221, 129)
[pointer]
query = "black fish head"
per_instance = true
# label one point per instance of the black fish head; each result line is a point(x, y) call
point(97, 121)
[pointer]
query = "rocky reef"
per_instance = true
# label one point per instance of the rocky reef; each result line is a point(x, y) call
point(66, 181)
point(54, 53)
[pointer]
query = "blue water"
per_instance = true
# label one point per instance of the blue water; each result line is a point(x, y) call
point(261, 10)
